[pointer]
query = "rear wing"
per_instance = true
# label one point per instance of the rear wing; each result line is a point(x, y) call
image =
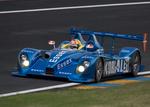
point(142, 38)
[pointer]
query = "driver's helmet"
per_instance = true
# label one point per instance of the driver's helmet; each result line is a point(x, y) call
point(75, 44)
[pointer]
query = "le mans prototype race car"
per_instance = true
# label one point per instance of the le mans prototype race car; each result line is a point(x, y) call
point(82, 61)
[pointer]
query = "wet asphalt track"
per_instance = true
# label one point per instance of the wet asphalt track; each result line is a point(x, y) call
point(34, 29)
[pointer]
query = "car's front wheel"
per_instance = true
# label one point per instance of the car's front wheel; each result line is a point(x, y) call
point(99, 70)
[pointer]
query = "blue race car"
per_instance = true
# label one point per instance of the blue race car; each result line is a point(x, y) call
point(80, 60)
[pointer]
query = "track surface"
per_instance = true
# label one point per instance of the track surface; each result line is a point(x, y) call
point(34, 29)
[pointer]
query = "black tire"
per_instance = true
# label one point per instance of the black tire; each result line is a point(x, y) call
point(135, 63)
point(99, 70)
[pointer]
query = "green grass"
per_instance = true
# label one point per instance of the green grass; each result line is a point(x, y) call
point(131, 95)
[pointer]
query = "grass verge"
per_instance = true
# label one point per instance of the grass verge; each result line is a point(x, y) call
point(131, 95)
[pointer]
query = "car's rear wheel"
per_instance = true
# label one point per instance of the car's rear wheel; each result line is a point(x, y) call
point(135, 63)
point(99, 70)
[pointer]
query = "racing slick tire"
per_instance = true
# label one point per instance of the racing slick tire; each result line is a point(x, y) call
point(99, 70)
point(135, 63)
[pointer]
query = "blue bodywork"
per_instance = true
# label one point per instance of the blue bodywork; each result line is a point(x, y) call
point(63, 63)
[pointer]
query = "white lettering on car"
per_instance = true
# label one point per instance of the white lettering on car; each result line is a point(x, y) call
point(116, 66)
point(64, 64)
point(37, 70)
point(65, 73)
point(57, 57)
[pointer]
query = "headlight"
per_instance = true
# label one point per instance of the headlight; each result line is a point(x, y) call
point(81, 68)
point(26, 63)
point(24, 60)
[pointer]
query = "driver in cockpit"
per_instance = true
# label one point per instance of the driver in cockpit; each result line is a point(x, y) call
point(74, 44)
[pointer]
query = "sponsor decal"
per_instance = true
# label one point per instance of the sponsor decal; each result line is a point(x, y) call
point(37, 70)
point(57, 57)
point(116, 66)
point(28, 51)
point(64, 64)
point(65, 73)
point(89, 57)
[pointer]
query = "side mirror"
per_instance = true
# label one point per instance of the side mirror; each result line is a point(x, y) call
point(52, 43)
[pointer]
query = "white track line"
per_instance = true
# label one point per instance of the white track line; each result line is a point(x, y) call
point(65, 8)
point(51, 87)
point(144, 73)
point(39, 89)
point(75, 7)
